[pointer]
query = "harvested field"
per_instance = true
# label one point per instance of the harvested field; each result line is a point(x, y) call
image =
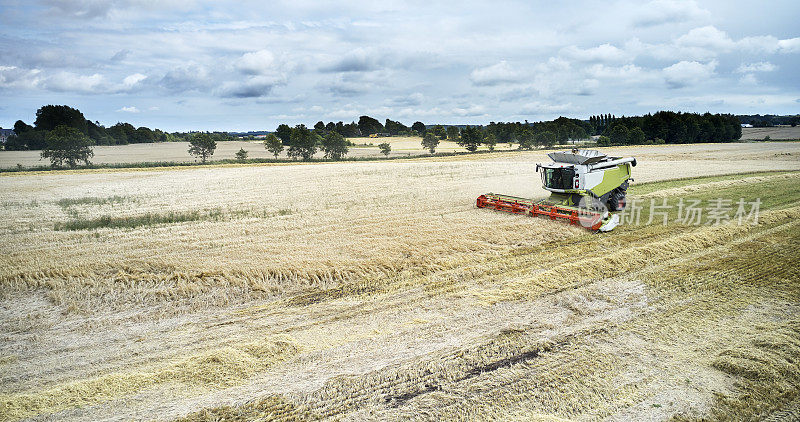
point(177, 151)
point(378, 291)
point(776, 133)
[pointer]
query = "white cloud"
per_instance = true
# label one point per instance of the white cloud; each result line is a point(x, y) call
point(470, 111)
point(496, 74)
point(186, 78)
point(130, 109)
point(132, 80)
point(601, 53)
point(661, 12)
point(791, 45)
point(706, 37)
point(686, 73)
point(626, 72)
point(748, 79)
point(587, 87)
point(358, 60)
point(756, 67)
point(714, 42)
point(256, 63)
point(538, 107)
point(72, 82)
point(15, 77)
point(412, 99)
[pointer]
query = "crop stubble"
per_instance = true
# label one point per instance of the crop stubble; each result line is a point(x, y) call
point(392, 295)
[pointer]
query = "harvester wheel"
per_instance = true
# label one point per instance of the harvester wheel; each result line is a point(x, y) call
point(617, 201)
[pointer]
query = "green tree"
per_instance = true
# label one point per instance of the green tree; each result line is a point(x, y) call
point(241, 155)
point(142, 135)
point(453, 133)
point(285, 133)
point(577, 133)
point(21, 127)
point(470, 138)
point(50, 116)
point(334, 145)
point(368, 126)
point(430, 142)
point(68, 145)
point(122, 133)
point(385, 148)
point(618, 134)
point(202, 145)
point(15, 143)
point(303, 143)
point(546, 139)
point(526, 138)
point(603, 141)
point(395, 128)
point(319, 127)
point(439, 131)
point(273, 144)
point(419, 127)
point(636, 136)
point(490, 141)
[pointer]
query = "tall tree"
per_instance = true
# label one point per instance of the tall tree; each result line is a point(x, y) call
point(334, 145)
point(50, 116)
point(546, 139)
point(419, 127)
point(618, 134)
point(367, 125)
point(66, 144)
point(21, 127)
point(526, 138)
point(273, 144)
point(395, 128)
point(303, 143)
point(470, 138)
point(202, 145)
point(439, 131)
point(430, 142)
point(636, 136)
point(490, 140)
point(453, 133)
point(285, 133)
point(241, 155)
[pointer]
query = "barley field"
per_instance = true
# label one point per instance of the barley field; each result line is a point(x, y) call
point(402, 146)
point(377, 291)
point(778, 132)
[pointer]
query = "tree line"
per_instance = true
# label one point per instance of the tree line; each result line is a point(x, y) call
point(366, 126)
point(666, 127)
point(49, 117)
point(65, 136)
point(769, 120)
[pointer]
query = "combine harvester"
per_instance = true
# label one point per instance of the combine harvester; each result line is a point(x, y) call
point(587, 188)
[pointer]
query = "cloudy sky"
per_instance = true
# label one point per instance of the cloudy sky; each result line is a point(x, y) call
point(250, 65)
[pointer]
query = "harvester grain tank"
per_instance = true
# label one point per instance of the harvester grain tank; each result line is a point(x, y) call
point(587, 188)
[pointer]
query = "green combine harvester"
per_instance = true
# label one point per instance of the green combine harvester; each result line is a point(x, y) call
point(588, 188)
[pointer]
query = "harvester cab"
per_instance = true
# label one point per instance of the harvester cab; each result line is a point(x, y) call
point(587, 188)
